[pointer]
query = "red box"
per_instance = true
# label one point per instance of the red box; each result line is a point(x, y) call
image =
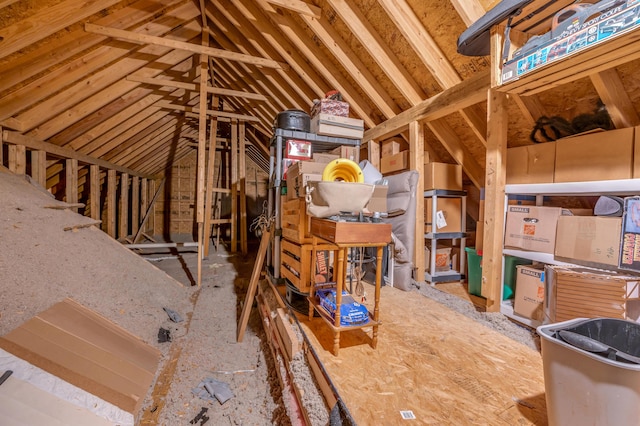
point(298, 150)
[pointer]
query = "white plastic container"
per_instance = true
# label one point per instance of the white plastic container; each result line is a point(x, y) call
point(585, 388)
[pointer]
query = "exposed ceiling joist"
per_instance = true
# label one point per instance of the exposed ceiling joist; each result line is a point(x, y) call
point(469, 92)
point(215, 113)
point(195, 86)
point(299, 6)
point(194, 48)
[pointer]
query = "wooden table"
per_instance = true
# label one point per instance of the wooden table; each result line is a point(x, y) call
point(378, 235)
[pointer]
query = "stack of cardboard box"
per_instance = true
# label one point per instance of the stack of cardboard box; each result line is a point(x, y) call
point(331, 118)
point(448, 212)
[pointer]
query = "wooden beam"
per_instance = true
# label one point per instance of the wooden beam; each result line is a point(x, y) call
point(94, 191)
point(123, 217)
point(135, 204)
point(303, 44)
point(112, 180)
point(242, 178)
point(57, 151)
point(379, 51)
point(71, 181)
point(299, 6)
point(469, 10)
point(187, 108)
point(469, 92)
point(68, 44)
point(253, 285)
point(361, 74)
point(613, 94)
point(252, 16)
point(234, 187)
point(196, 87)
point(495, 178)
point(208, 204)
point(38, 167)
point(144, 203)
point(17, 159)
point(190, 47)
point(85, 76)
point(416, 162)
point(373, 153)
point(455, 146)
point(202, 153)
point(149, 211)
point(47, 21)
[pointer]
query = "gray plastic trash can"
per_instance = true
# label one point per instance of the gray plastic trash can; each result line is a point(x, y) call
point(591, 387)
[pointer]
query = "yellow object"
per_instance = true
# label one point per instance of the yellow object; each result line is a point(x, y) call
point(343, 169)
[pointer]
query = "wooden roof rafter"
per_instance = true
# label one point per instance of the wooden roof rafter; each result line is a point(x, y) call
point(190, 47)
point(240, 31)
point(336, 81)
point(251, 13)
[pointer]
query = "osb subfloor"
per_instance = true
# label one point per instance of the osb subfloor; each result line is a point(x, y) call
point(443, 367)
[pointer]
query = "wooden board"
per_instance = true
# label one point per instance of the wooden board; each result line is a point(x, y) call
point(351, 232)
point(88, 351)
point(22, 403)
point(441, 365)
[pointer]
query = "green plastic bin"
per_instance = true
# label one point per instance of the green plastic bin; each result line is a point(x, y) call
point(474, 265)
point(510, 273)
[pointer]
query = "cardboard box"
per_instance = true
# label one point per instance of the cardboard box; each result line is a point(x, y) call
point(591, 293)
point(394, 163)
point(342, 127)
point(443, 259)
point(531, 163)
point(389, 147)
point(88, 351)
point(310, 167)
point(448, 214)
point(347, 151)
point(576, 37)
point(329, 106)
point(589, 239)
point(532, 228)
point(378, 201)
point(595, 156)
point(300, 174)
point(297, 184)
point(443, 176)
point(529, 295)
point(324, 158)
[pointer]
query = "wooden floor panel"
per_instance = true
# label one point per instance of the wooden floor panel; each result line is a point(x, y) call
point(442, 366)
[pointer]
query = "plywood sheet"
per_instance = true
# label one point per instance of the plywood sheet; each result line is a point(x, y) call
point(442, 366)
point(22, 403)
point(88, 351)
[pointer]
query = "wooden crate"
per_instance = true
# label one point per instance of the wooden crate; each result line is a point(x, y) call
point(351, 232)
point(591, 294)
point(296, 225)
point(296, 264)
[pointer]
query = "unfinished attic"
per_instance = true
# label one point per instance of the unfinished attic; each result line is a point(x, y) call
point(319, 212)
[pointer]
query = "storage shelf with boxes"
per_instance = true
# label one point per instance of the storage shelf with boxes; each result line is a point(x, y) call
point(445, 223)
point(583, 250)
